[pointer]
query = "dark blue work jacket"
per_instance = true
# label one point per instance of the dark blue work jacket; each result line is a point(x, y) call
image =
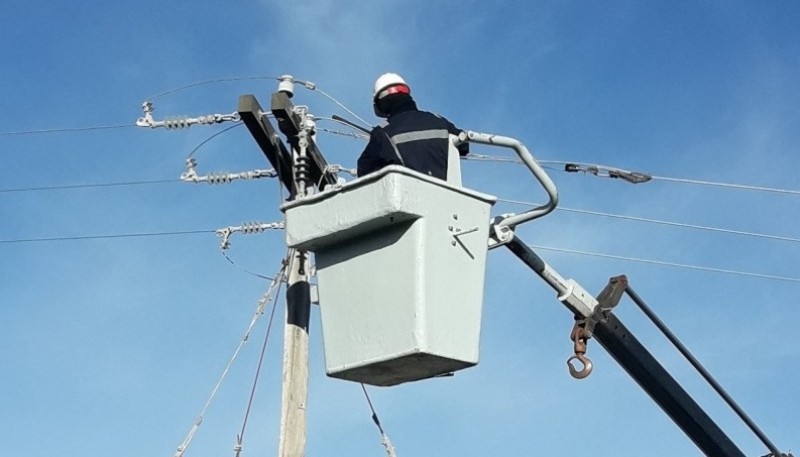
point(416, 139)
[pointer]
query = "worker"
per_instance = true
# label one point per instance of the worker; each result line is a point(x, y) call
point(416, 139)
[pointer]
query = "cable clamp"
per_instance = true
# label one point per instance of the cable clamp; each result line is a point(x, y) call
point(247, 228)
point(633, 177)
point(500, 234)
point(181, 122)
point(190, 175)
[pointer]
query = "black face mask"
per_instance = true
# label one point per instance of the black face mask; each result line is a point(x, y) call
point(378, 106)
point(391, 104)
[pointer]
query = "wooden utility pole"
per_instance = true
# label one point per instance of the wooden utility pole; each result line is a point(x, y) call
point(298, 170)
point(295, 359)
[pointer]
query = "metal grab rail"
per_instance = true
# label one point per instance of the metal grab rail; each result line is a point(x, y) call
point(533, 166)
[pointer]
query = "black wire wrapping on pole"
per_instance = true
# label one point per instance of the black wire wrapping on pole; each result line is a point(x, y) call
point(700, 369)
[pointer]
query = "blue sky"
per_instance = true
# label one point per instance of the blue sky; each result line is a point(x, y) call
point(112, 345)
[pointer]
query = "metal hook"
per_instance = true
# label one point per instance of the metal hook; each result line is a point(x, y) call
point(580, 336)
point(587, 366)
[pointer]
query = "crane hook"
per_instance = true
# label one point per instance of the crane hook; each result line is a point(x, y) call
point(587, 366)
point(580, 335)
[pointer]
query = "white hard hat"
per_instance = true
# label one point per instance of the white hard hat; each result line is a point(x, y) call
point(387, 81)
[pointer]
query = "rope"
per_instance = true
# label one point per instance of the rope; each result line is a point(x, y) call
point(259, 311)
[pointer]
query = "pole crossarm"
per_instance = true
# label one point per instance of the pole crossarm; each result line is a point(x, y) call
point(291, 124)
point(268, 140)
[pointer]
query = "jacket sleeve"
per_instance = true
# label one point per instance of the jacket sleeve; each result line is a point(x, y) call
point(463, 148)
point(370, 159)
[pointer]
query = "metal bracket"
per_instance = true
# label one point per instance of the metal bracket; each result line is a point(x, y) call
point(584, 327)
point(500, 234)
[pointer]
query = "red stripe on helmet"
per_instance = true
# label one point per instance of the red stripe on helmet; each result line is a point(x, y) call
point(396, 89)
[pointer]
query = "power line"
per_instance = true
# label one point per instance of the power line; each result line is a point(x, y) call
point(678, 224)
point(669, 264)
point(518, 202)
point(661, 222)
point(68, 129)
point(91, 185)
point(548, 248)
point(100, 237)
point(727, 185)
point(490, 158)
point(202, 143)
point(212, 81)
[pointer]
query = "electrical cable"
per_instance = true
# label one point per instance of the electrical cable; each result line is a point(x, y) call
point(257, 275)
point(212, 81)
point(662, 222)
point(340, 105)
point(100, 237)
point(670, 264)
point(728, 185)
point(340, 120)
point(490, 158)
point(93, 185)
point(631, 259)
point(67, 129)
point(237, 124)
point(307, 85)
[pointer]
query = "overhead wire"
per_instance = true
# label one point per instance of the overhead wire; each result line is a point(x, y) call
point(202, 143)
point(340, 105)
point(91, 185)
point(100, 237)
point(473, 156)
point(360, 136)
point(661, 222)
point(252, 273)
point(491, 158)
point(728, 185)
point(211, 81)
point(669, 264)
point(610, 256)
point(67, 129)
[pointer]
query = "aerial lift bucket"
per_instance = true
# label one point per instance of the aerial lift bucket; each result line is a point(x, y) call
point(400, 260)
